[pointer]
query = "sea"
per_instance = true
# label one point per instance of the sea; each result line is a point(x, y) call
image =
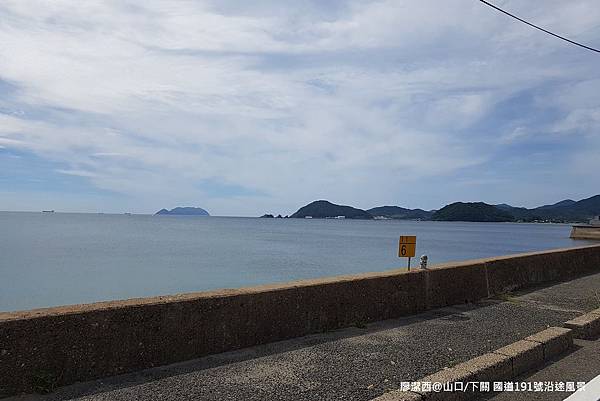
point(51, 259)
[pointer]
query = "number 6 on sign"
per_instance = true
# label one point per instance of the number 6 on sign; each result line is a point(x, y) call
point(407, 246)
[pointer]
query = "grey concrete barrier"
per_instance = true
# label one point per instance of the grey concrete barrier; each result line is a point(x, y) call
point(456, 283)
point(510, 273)
point(51, 347)
point(524, 355)
point(554, 340)
point(586, 326)
point(62, 345)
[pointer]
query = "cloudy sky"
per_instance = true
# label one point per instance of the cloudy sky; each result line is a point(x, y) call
point(251, 107)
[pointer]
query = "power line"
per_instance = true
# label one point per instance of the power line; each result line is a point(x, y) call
point(537, 27)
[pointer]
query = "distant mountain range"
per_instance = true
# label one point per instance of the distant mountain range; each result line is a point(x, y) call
point(183, 211)
point(564, 211)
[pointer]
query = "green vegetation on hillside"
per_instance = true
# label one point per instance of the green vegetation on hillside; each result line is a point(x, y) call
point(471, 211)
point(564, 211)
point(396, 212)
point(322, 209)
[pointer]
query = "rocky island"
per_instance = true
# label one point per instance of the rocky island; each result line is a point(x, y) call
point(183, 211)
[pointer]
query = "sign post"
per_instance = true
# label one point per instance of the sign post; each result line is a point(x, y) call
point(407, 247)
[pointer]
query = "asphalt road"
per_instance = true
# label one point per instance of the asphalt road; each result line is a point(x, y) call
point(355, 363)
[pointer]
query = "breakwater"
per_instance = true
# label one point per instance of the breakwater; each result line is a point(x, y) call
point(585, 232)
point(57, 346)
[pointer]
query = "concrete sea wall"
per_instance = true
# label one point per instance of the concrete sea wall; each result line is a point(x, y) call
point(43, 348)
point(585, 232)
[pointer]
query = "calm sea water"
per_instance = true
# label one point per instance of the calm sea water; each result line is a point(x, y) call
point(49, 259)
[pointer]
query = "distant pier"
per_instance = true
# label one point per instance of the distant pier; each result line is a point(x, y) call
point(587, 231)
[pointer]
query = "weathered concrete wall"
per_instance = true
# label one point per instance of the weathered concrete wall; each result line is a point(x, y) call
point(57, 346)
point(520, 271)
point(585, 232)
point(455, 283)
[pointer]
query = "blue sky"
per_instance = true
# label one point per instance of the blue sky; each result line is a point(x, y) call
point(251, 107)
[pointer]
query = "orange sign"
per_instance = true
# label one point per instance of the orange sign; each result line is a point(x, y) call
point(407, 246)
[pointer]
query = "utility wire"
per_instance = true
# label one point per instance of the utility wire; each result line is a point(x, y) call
point(537, 27)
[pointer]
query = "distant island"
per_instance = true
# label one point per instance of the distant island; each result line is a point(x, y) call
point(323, 209)
point(183, 211)
point(270, 216)
point(565, 211)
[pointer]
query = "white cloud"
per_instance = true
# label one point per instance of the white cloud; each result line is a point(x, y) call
point(151, 99)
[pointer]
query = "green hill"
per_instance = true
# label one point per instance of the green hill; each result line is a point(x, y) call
point(322, 209)
point(582, 210)
point(471, 211)
point(397, 212)
point(564, 211)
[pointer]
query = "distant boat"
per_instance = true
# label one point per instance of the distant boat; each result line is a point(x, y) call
point(127, 214)
point(308, 217)
point(47, 211)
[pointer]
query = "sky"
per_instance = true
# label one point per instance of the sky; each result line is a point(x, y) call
point(245, 108)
